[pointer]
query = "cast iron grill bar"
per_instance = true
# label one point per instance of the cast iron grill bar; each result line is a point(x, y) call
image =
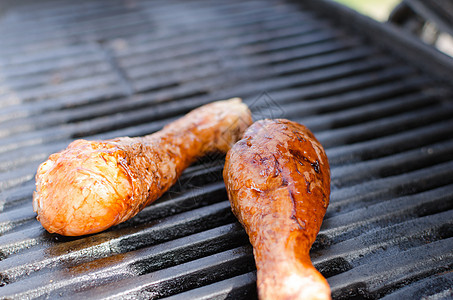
point(422, 230)
point(76, 85)
point(287, 96)
point(365, 128)
point(57, 117)
point(357, 133)
point(388, 210)
point(43, 62)
point(38, 153)
point(140, 21)
point(382, 127)
point(379, 147)
point(386, 166)
point(397, 210)
point(322, 87)
point(51, 54)
point(238, 287)
point(147, 85)
point(189, 275)
point(406, 269)
point(334, 71)
point(83, 71)
point(392, 165)
point(52, 15)
point(98, 31)
point(76, 58)
point(369, 112)
point(385, 124)
point(182, 46)
point(156, 13)
point(383, 188)
point(63, 102)
point(441, 152)
point(70, 130)
point(137, 261)
point(192, 199)
point(429, 287)
point(22, 68)
point(38, 107)
point(34, 108)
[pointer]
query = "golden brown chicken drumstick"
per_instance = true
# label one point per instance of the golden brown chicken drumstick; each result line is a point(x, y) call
point(92, 185)
point(278, 182)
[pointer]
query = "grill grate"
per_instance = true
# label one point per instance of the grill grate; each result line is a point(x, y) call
point(92, 69)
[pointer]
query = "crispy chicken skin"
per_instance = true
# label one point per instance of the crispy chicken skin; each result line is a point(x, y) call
point(93, 185)
point(278, 182)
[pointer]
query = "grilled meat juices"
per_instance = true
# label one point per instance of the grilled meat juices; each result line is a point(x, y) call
point(278, 182)
point(93, 185)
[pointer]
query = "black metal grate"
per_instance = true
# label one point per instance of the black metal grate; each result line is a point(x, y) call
point(101, 69)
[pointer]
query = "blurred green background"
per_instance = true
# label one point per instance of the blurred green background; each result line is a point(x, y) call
point(380, 11)
point(376, 9)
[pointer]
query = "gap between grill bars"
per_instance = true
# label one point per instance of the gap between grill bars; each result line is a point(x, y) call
point(98, 69)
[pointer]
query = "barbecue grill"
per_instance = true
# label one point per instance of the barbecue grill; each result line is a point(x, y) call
point(378, 99)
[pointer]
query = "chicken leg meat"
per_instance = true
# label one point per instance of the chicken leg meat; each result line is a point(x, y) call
point(278, 182)
point(93, 185)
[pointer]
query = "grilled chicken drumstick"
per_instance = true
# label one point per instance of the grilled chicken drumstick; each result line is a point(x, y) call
point(92, 185)
point(278, 182)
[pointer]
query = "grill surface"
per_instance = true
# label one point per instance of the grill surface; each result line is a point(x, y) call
point(101, 69)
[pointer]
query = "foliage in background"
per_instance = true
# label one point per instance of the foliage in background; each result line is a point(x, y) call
point(377, 9)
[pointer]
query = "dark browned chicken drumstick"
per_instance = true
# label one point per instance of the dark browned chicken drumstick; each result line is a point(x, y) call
point(92, 185)
point(278, 182)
